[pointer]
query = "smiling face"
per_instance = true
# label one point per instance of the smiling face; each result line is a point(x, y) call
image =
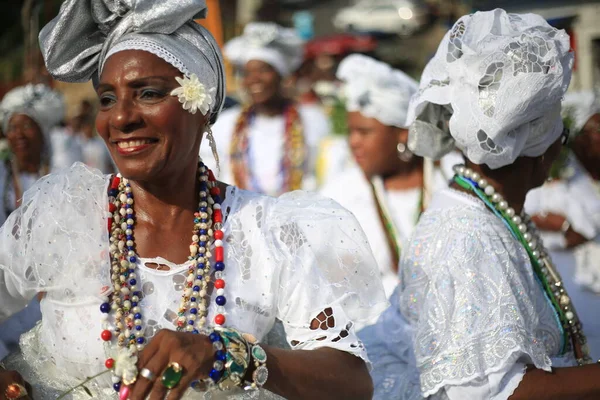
point(148, 133)
point(25, 137)
point(261, 81)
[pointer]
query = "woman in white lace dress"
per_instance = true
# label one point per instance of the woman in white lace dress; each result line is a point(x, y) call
point(388, 189)
point(196, 287)
point(480, 312)
point(29, 113)
point(567, 211)
point(268, 145)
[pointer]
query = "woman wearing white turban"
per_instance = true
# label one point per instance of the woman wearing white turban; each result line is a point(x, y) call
point(161, 282)
point(567, 211)
point(389, 189)
point(28, 113)
point(480, 311)
point(270, 145)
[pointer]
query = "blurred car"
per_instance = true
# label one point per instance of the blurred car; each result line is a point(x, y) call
point(401, 17)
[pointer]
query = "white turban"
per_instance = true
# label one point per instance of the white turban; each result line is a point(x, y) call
point(279, 47)
point(580, 107)
point(376, 90)
point(42, 104)
point(493, 89)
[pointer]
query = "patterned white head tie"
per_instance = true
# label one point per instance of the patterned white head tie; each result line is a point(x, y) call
point(279, 47)
point(376, 90)
point(493, 89)
point(579, 107)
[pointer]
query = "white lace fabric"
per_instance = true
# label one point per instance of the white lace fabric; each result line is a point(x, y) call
point(288, 259)
point(468, 303)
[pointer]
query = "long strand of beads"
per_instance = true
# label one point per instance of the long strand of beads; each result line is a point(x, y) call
point(524, 230)
point(124, 301)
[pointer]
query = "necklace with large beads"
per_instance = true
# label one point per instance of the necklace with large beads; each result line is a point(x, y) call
point(525, 231)
point(124, 301)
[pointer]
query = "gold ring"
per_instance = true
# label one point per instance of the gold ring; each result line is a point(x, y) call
point(172, 375)
point(15, 391)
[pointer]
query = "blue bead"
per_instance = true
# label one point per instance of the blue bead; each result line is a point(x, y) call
point(191, 322)
point(215, 375)
point(221, 300)
point(138, 327)
point(202, 244)
point(195, 331)
point(127, 206)
point(193, 299)
point(202, 231)
point(203, 209)
point(113, 192)
point(220, 355)
point(214, 337)
point(138, 294)
point(117, 386)
point(140, 340)
point(134, 304)
point(137, 316)
point(201, 266)
point(105, 308)
point(217, 199)
point(196, 288)
point(129, 237)
point(129, 226)
point(132, 259)
point(132, 282)
point(219, 266)
point(194, 311)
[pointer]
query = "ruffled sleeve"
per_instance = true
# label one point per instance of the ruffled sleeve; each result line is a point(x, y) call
point(328, 278)
point(477, 310)
point(54, 243)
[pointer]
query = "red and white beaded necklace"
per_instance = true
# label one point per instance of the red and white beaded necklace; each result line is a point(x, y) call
point(124, 302)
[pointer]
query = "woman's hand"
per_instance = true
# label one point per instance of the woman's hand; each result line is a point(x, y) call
point(193, 352)
point(8, 378)
point(549, 222)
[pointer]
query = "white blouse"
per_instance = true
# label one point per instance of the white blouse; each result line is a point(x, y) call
point(469, 313)
point(267, 140)
point(288, 260)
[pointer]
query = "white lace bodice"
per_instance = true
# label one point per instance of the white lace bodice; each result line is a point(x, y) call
point(468, 307)
point(288, 260)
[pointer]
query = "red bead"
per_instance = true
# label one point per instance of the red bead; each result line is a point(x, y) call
point(220, 284)
point(110, 221)
point(211, 176)
point(109, 363)
point(219, 235)
point(180, 324)
point(115, 183)
point(124, 392)
point(106, 335)
point(215, 191)
point(219, 319)
point(219, 254)
point(217, 216)
point(112, 208)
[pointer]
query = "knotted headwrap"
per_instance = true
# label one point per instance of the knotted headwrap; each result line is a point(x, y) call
point(40, 103)
point(279, 47)
point(376, 90)
point(77, 43)
point(493, 89)
point(580, 107)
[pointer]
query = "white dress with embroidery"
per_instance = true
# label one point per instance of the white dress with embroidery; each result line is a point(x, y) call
point(266, 138)
point(288, 260)
point(469, 313)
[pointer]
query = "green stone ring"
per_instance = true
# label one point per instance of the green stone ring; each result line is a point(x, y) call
point(172, 375)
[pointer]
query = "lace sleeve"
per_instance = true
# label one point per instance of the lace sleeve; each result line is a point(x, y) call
point(470, 294)
point(329, 280)
point(54, 242)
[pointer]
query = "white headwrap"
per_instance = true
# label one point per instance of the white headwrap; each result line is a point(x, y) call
point(493, 89)
point(376, 90)
point(279, 47)
point(39, 102)
point(580, 107)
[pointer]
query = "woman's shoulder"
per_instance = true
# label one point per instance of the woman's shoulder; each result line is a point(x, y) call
point(77, 185)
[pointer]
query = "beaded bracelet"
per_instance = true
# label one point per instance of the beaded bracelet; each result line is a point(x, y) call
point(238, 359)
point(217, 371)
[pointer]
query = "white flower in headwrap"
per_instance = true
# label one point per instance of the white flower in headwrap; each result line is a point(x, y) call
point(193, 95)
point(125, 365)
